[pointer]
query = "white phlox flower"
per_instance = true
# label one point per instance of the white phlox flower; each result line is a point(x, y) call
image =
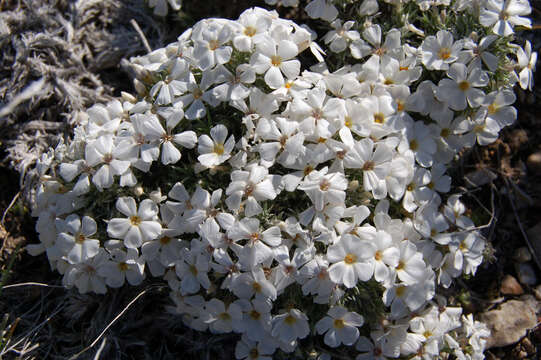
point(290, 326)
point(274, 58)
point(139, 225)
point(503, 14)
point(74, 238)
point(462, 87)
point(217, 149)
point(340, 326)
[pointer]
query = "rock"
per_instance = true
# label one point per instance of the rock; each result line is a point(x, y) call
point(510, 286)
point(526, 274)
point(534, 162)
point(534, 235)
point(537, 292)
point(509, 323)
point(522, 255)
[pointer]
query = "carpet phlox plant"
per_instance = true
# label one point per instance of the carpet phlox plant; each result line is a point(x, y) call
point(295, 192)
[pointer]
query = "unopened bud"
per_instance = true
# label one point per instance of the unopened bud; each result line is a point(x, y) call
point(138, 190)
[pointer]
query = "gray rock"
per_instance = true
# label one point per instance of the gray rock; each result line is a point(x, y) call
point(526, 274)
point(509, 323)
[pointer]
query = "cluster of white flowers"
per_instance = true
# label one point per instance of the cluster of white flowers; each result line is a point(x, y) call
point(291, 192)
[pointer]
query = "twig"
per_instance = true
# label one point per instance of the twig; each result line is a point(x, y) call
point(37, 327)
point(100, 349)
point(35, 88)
point(141, 35)
point(9, 208)
point(109, 325)
point(521, 228)
point(33, 284)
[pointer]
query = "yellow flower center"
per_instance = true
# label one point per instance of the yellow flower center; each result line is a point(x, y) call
point(378, 256)
point(122, 266)
point(400, 291)
point(135, 220)
point(276, 60)
point(445, 133)
point(290, 320)
point(224, 316)
point(254, 353)
point(250, 31)
point(164, 240)
point(338, 323)
point(257, 287)
point(80, 238)
point(401, 266)
point(414, 145)
point(368, 166)
point(255, 315)
point(444, 53)
point(325, 185)
point(492, 109)
point(219, 149)
point(197, 93)
point(379, 118)
point(350, 259)
point(213, 44)
point(464, 85)
point(348, 121)
point(479, 128)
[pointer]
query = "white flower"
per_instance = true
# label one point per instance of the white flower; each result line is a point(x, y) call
point(256, 322)
point(257, 249)
point(220, 319)
point(255, 185)
point(440, 50)
point(498, 107)
point(254, 283)
point(274, 58)
point(156, 133)
point(74, 238)
point(503, 14)
point(321, 9)
point(340, 326)
point(140, 224)
point(84, 275)
point(350, 260)
point(290, 326)
point(209, 45)
point(193, 270)
point(341, 35)
point(216, 150)
point(323, 188)
point(123, 265)
point(247, 349)
point(462, 90)
point(526, 62)
point(102, 151)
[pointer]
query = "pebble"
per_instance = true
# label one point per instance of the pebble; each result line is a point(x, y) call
point(537, 292)
point(509, 323)
point(510, 286)
point(522, 255)
point(534, 162)
point(526, 274)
